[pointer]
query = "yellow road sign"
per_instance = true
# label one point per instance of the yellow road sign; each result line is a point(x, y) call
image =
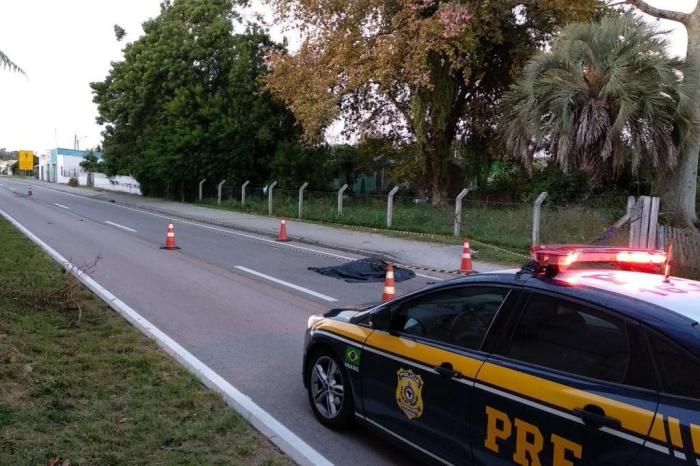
point(26, 160)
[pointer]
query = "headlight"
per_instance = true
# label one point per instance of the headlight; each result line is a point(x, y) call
point(313, 320)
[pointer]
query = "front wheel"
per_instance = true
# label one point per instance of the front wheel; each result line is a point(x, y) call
point(329, 390)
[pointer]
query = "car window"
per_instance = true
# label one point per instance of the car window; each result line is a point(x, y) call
point(679, 372)
point(459, 316)
point(566, 336)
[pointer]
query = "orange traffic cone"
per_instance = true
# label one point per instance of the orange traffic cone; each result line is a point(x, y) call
point(389, 285)
point(170, 238)
point(29, 191)
point(466, 266)
point(283, 231)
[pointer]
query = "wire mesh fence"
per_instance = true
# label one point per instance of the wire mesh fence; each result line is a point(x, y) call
point(506, 223)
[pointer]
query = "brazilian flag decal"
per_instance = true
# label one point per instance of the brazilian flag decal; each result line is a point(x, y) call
point(352, 358)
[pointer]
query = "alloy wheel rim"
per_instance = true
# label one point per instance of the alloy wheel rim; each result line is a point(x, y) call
point(327, 387)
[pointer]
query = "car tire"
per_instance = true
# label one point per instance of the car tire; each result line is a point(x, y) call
point(331, 401)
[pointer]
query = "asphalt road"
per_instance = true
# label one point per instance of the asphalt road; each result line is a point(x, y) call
point(238, 302)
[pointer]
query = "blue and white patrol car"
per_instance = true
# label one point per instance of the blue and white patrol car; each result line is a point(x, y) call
point(564, 362)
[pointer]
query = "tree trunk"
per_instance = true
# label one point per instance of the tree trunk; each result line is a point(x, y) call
point(438, 159)
point(436, 112)
point(679, 190)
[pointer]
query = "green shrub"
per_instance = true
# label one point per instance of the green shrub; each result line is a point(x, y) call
point(73, 182)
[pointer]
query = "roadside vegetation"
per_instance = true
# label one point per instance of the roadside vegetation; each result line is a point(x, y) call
point(439, 100)
point(79, 385)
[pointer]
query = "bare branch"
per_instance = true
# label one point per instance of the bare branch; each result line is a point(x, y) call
point(660, 12)
point(402, 109)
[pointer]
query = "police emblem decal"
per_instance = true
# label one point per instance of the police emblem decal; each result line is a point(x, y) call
point(409, 393)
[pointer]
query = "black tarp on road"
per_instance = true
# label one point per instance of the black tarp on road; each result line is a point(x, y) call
point(364, 270)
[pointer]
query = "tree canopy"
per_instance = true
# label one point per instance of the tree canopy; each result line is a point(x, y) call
point(185, 102)
point(419, 71)
point(605, 97)
point(91, 163)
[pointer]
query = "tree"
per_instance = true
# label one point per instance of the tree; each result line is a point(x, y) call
point(423, 71)
point(186, 104)
point(680, 187)
point(604, 98)
point(5, 62)
point(91, 163)
point(294, 164)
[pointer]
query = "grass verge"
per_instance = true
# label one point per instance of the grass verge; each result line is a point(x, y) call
point(79, 385)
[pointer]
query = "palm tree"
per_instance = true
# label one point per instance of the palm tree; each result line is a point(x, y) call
point(604, 98)
point(5, 62)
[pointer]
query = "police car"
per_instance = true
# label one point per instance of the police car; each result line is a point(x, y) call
point(564, 362)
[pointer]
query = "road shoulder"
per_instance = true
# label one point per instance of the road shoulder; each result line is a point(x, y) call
point(262, 421)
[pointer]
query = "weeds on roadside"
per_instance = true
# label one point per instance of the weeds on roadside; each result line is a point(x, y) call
point(59, 297)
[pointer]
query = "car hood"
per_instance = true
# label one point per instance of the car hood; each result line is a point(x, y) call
point(345, 314)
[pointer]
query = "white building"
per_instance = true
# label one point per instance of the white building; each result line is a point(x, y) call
point(6, 166)
point(60, 165)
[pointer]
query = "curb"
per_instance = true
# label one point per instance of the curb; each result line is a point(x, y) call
point(290, 444)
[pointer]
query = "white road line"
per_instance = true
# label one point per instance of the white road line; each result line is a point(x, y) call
point(285, 439)
point(11, 188)
point(61, 206)
point(120, 226)
point(201, 225)
point(287, 284)
point(223, 230)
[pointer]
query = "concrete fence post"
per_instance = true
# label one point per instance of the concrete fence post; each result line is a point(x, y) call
point(243, 188)
point(390, 207)
point(341, 191)
point(644, 231)
point(458, 212)
point(200, 188)
point(301, 199)
point(537, 218)
point(654, 223)
point(218, 188)
point(636, 222)
point(269, 197)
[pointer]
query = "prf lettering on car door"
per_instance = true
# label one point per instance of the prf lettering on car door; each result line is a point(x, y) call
point(529, 441)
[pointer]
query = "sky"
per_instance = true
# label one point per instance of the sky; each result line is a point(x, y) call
point(63, 45)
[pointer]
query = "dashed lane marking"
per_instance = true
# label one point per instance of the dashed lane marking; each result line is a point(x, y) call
point(269, 242)
point(120, 226)
point(287, 284)
point(61, 206)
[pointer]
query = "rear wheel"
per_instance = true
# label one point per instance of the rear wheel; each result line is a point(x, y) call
point(329, 390)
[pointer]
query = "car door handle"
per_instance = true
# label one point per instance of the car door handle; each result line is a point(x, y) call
point(594, 416)
point(446, 370)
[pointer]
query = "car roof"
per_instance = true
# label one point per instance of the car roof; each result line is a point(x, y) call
point(673, 309)
point(679, 295)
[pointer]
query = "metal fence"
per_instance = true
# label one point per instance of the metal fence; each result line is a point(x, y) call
point(510, 225)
